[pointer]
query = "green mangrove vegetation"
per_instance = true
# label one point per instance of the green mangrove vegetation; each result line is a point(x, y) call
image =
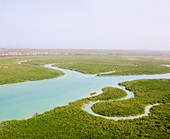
point(93, 93)
point(85, 64)
point(110, 93)
point(14, 73)
point(118, 108)
point(146, 92)
point(97, 65)
point(71, 121)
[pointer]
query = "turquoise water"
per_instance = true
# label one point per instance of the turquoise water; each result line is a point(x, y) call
point(22, 100)
point(87, 108)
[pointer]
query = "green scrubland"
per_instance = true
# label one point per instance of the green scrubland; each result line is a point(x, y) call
point(97, 65)
point(146, 92)
point(71, 121)
point(14, 73)
point(85, 64)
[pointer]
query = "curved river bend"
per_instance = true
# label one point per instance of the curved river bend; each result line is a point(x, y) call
point(23, 100)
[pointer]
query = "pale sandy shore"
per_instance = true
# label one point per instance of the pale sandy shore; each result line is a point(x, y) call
point(20, 62)
point(166, 65)
point(98, 93)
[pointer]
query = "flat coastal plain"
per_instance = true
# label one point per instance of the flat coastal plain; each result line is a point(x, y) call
point(134, 69)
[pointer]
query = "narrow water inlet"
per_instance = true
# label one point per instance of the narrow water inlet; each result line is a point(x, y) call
point(23, 100)
point(88, 107)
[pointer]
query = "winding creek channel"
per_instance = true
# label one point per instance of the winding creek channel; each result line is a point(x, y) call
point(23, 100)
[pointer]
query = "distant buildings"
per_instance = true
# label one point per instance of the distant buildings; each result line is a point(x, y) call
point(21, 52)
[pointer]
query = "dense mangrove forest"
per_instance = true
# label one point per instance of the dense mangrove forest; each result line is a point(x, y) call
point(144, 95)
point(71, 121)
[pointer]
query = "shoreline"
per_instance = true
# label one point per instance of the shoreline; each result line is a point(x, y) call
point(166, 65)
point(116, 118)
point(98, 93)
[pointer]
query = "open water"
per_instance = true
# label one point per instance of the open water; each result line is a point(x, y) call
point(23, 100)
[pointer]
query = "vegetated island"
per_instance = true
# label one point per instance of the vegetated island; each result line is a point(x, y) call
point(20, 73)
point(30, 71)
point(144, 95)
point(93, 93)
point(107, 65)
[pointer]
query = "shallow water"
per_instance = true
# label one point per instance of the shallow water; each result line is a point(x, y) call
point(166, 65)
point(88, 108)
point(22, 100)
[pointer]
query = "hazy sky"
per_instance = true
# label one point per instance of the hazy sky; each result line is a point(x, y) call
point(96, 24)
